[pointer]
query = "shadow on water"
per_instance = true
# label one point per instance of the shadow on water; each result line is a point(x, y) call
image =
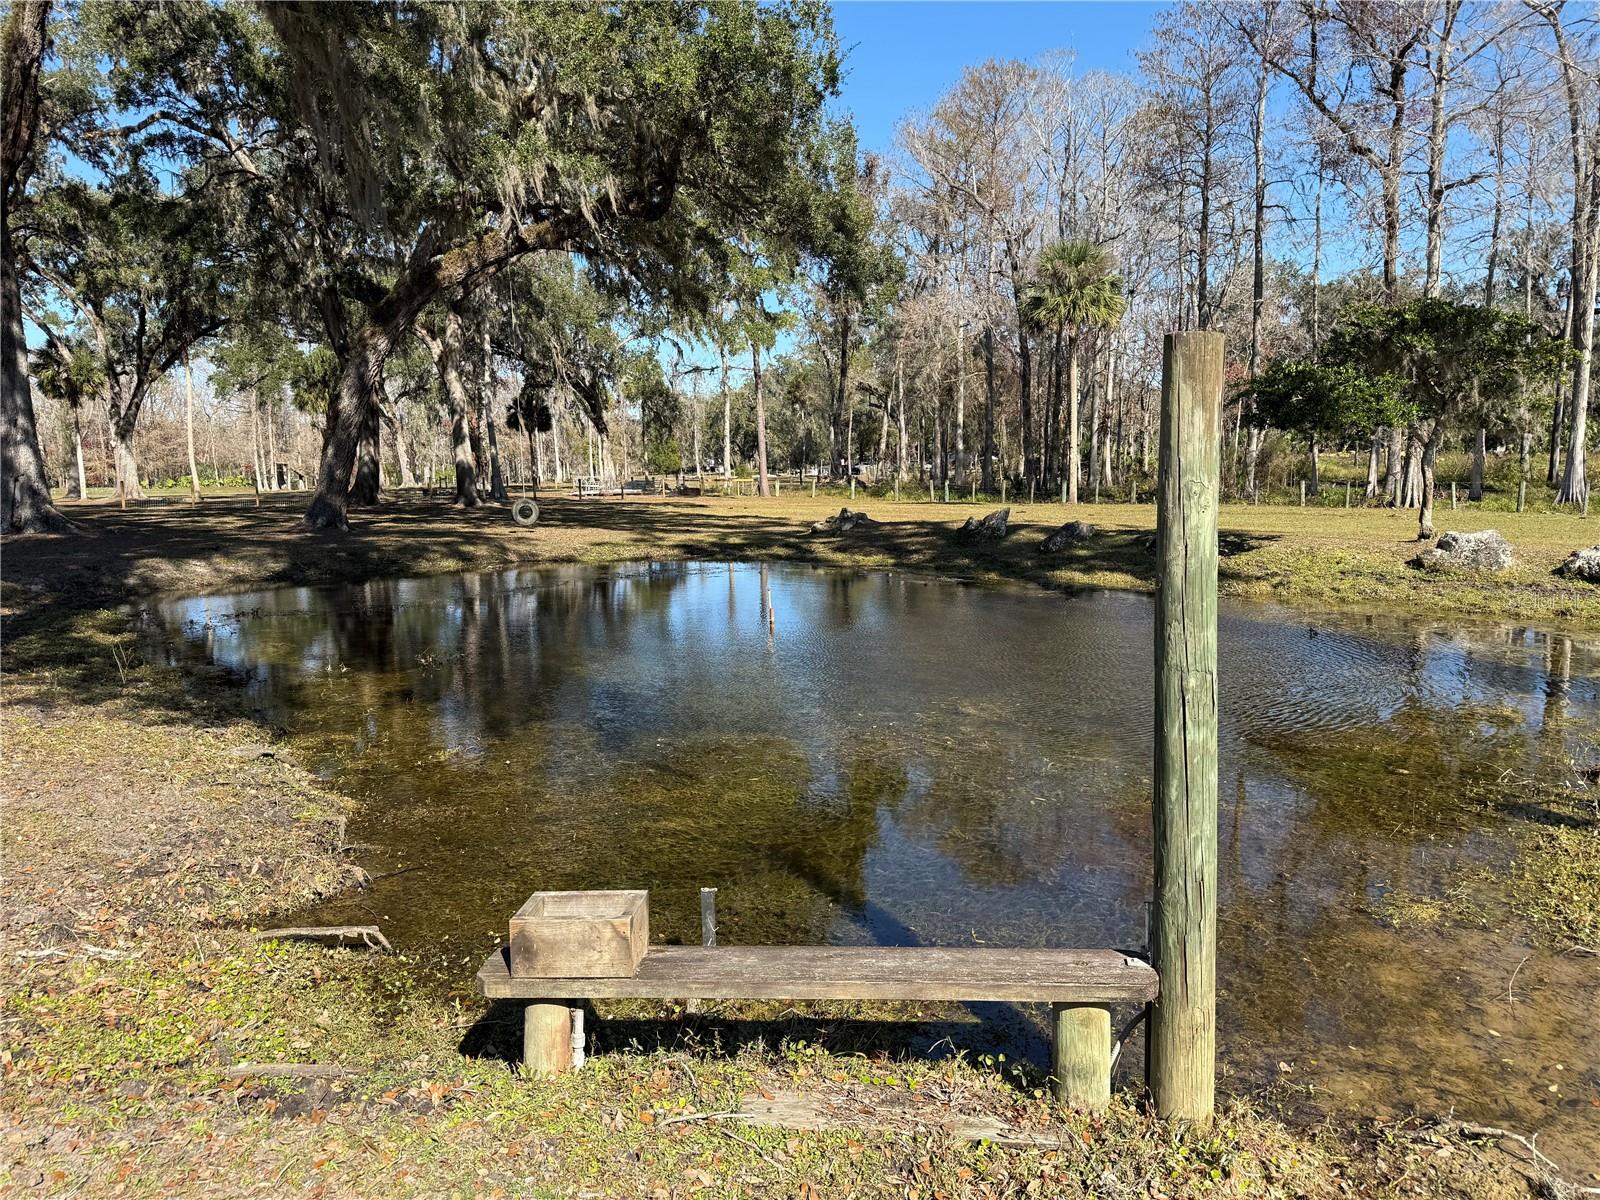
point(865, 758)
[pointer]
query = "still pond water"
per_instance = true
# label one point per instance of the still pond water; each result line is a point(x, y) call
point(900, 761)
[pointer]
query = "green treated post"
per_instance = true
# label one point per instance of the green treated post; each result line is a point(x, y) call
point(1183, 1030)
point(1081, 1057)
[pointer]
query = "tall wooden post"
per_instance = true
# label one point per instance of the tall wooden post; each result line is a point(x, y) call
point(1183, 1031)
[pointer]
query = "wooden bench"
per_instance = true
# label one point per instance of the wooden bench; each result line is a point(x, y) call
point(1080, 986)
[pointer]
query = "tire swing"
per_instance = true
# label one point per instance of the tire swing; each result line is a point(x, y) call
point(525, 512)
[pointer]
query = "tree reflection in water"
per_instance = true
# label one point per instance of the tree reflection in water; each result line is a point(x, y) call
point(900, 760)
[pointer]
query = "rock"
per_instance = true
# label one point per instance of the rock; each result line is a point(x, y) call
point(1070, 534)
point(1486, 551)
point(1582, 564)
point(845, 522)
point(986, 529)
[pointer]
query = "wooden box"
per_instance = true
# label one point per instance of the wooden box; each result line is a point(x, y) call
point(580, 935)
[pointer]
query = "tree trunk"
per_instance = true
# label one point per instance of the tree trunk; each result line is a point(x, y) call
point(1053, 451)
point(128, 486)
point(272, 444)
point(188, 430)
point(761, 420)
point(1430, 450)
point(555, 445)
point(1440, 62)
point(727, 416)
point(25, 505)
point(1030, 458)
point(486, 413)
point(360, 385)
point(1316, 467)
point(1584, 271)
point(987, 471)
point(900, 397)
point(77, 454)
point(368, 482)
point(1479, 450)
point(1094, 439)
point(402, 452)
point(961, 404)
point(1391, 480)
point(255, 441)
point(843, 410)
point(1372, 468)
point(1074, 454)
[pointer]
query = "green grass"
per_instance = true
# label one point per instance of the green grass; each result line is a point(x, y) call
point(1311, 557)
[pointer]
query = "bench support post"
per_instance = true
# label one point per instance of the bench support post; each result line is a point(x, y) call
point(1081, 1057)
point(547, 1038)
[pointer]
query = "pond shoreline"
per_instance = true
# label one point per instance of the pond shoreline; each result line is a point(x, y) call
point(76, 684)
point(403, 1089)
point(1309, 559)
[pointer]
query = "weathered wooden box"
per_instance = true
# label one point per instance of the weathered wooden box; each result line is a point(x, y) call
point(580, 935)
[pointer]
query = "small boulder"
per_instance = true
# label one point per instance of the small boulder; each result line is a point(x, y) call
point(986, 529)
point(1486, 551)
point(845, 522)
point(1583, 565)
point(1070, 534)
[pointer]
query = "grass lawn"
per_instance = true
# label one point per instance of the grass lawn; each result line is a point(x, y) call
point(1313, 557)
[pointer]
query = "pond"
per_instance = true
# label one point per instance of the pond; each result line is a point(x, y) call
point(855, 757)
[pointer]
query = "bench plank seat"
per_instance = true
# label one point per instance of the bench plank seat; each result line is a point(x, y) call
point(1095, 977)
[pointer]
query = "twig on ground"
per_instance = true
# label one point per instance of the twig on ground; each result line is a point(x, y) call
point(1542, 1160)
point(1511, 999)
point(699, 1116)
point(289, 1071)
point(367, 935)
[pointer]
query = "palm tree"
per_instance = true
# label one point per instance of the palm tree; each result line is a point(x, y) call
point(1073, 292)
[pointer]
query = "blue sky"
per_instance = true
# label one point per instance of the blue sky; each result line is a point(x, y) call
point(903, 56)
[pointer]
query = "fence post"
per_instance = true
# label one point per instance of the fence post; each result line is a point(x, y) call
point(1452, 495)
point(1522, 494)
point(1183, 1023)
point(1302, 493)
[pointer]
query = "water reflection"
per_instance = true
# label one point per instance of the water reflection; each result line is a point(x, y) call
point(858, 757)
